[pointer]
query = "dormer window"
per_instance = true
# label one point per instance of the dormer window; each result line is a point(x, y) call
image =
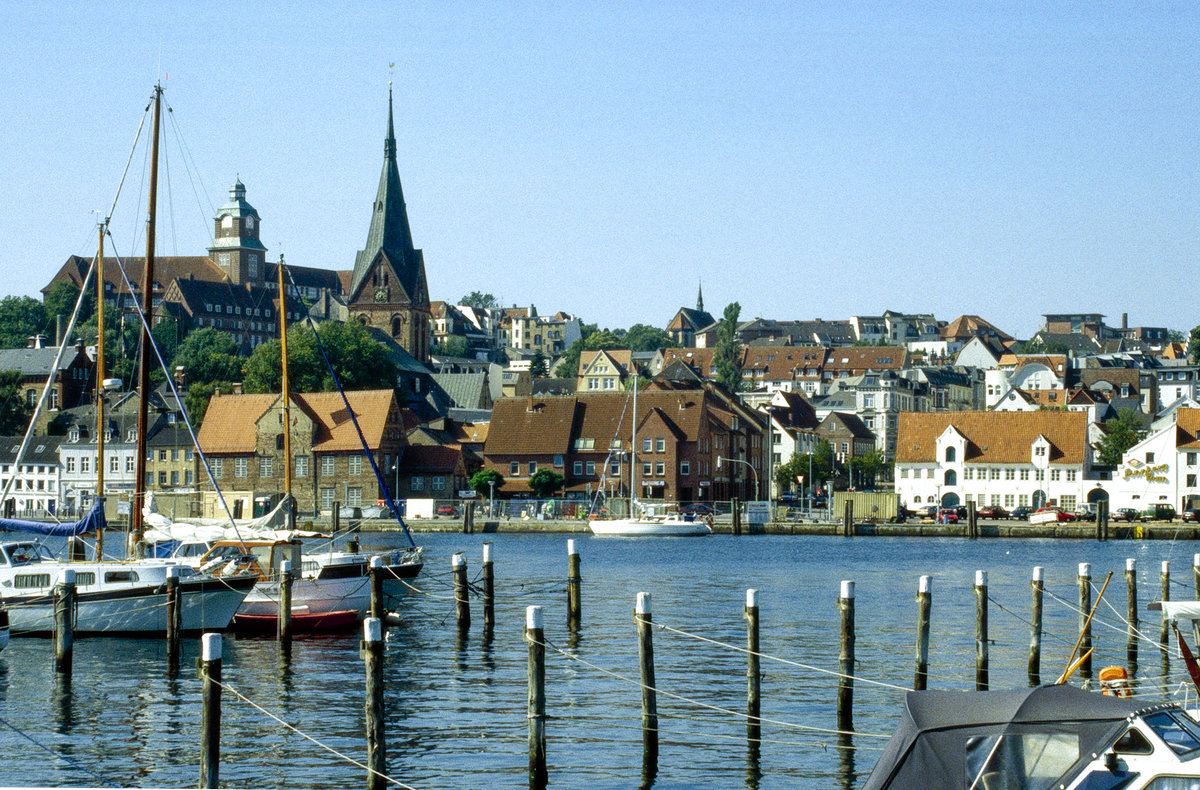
point(132, 435)
point(73, 434)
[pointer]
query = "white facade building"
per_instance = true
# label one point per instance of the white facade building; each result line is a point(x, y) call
point(1163, 468)
point(995, 458)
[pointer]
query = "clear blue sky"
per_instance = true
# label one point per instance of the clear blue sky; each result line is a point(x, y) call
point(804, 159)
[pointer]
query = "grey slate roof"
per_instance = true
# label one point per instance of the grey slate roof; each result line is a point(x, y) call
point(465, 390)
point(43, 450)
point(32, 361)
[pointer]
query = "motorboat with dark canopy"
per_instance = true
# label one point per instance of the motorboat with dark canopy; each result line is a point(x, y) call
point(1038, 739)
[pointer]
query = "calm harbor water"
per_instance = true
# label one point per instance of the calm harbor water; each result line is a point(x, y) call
point(456, 709)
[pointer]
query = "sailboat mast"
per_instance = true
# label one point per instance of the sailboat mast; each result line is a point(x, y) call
point(100, 384)
point(633, 452)
point(286, 393)
point(139, 484)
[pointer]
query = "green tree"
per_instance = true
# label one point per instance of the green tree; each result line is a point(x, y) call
point(485, 481)
point(727, 356)
point(641, 337)
point(480, 301)
point(867, 468)
point(14, 410)
point(360, 361)
point(60, 300)
point(1194, 345)
point(544, 482)
point(593, 339)
point(823, 467)
point(1120, 433)
point(452, 346)
point(209, 355)
point(538, 367)
point(21, 317)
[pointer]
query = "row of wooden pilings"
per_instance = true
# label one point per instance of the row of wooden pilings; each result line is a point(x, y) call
point(373, 655)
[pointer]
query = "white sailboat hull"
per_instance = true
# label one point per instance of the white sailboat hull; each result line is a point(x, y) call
point(649, 528)
point(207, 605)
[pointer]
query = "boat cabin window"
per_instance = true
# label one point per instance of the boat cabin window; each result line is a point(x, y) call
point(29, 581)
point(120, 576)
point(1133, 742)
point(1028, 760)
point(191, 550)
point(84, 579)
point(1171, 783)
point(1177, 732)
point(25, 553)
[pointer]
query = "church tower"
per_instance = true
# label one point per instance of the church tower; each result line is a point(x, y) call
point(236, 246)
point(388, 289)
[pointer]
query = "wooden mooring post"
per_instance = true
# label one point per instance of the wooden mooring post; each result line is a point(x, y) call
point(753, 675)
point(64, 622)
point(972, 521)
point(174, 620)
point(924, 605)
point(378, 604)
point(372, 655)
point(335, 519)
point(845, 694)
point(981, 631)
point(574, 585)
point(536, 679)
point(210, 711)
point(1102, 521)
point(1085, 620)
point(1037, 585)
point(489, 590)
point(1131, 616)
point(283, 631)
point(848, 520)
point(461, 598)
point(469, 518)
point(735, 509)
point(642, 616)
point(1164, 579)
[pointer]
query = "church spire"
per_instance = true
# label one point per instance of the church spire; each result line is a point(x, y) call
point(389, 233)
point(700, 297)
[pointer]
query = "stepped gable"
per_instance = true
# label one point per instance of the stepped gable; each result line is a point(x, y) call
point(994, 437)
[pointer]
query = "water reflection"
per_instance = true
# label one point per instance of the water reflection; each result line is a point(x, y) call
point(847, 777)
point(753, 756)
point(63, 718)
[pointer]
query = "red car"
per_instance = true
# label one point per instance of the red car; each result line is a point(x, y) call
point(1046, 512)
point(947, 515)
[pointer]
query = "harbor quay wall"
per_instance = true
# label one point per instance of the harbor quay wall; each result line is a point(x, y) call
point(990, 529)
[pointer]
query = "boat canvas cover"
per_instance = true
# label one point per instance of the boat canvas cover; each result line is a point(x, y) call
point(938, 730)
point(93, 521)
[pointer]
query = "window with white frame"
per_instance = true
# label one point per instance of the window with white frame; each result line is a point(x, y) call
point(1055, 474)
point(438, 483)
point(327, 498)
point(218, 466)
point(577, 468)
point(591, 468)
point(685, 468)
point(241, 467)
point(355, 464)
point(416, 483)
point(301, 466)
point(660, 468)
point(660, 445)
point(514, 468)
point(353, 496)
point(266, 467)
point(326, 466)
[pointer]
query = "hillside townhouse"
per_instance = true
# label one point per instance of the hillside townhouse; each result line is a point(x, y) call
point(71, 383)
point(242, 437)
point(521, 328)
point(878, 400)
point(962, 330)
point(605, 371)
point(784, 368)
point(817, 332)
point(1164, 467)
point(1025, 372)
point(1176, 379)
point(586, 438)
point(848, 436)
point(37, 488)
point(793, 427)
point(995, 458)
point(896, 329)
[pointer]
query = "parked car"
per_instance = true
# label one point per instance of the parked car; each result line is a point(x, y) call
point(1191, 514)
point(698, 509)
point(948, 515)
point(992, 511)
point(1021, 512)
point(1086, 513)
point(1158, 512)
point(446, 509)
point(925, 513)
point(1124, 514)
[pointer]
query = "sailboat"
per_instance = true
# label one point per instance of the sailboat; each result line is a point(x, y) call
point(331, 590)
point(641, 523)
point(127, 597)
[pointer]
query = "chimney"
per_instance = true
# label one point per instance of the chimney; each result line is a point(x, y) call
point(237, 388)
point(1124, 320)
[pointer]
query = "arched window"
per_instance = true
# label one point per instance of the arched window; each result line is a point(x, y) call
point(951, 477)
point(396, 327)
point(949, 455)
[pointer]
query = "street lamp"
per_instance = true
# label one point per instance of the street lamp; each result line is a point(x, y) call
point(747, 463)
point(396, 490)
point(491, 497)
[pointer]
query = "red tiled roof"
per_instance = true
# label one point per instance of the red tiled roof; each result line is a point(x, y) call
point(994, 437)
point(230, 421)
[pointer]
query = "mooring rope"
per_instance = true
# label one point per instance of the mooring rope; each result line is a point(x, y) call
point(704, 705)
point(788, 662)
point(1008, 611)
point(308, 737)
point(53, 753)
point(1105, 623)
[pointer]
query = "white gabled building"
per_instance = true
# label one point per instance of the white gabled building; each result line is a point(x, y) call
point(38, 482)
point(995, 458)
point(1163, 468)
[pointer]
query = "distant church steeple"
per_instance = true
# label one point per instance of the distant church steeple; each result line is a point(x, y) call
point(388, 288)
point(700, 297)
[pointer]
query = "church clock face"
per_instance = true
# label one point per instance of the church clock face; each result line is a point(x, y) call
point(381, 294)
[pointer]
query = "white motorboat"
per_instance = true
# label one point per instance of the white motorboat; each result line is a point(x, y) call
point(331, 592)
point(112, 598)
point(1049, 737)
